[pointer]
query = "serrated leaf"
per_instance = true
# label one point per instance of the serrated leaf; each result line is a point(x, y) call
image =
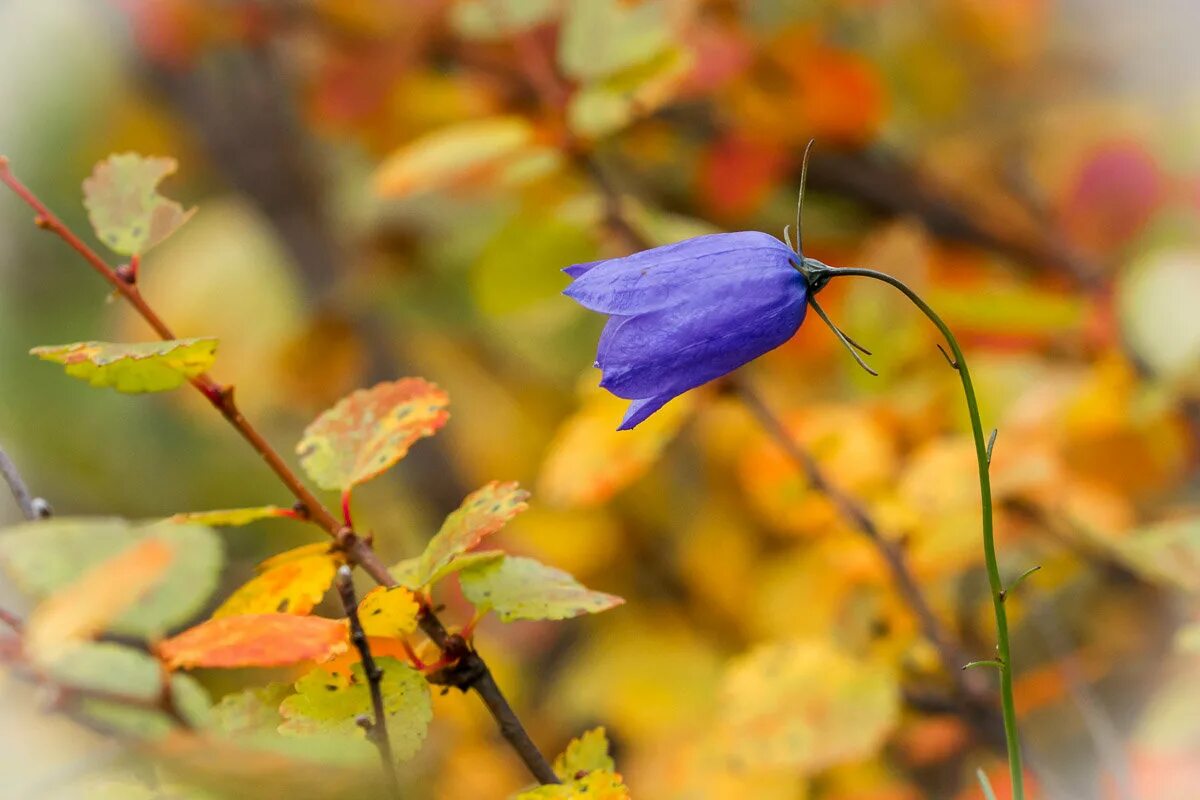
point(86, 607)
point(589, 460)
point(326, 703)
point(123, 203)
point(806, 706)
point(228, 517)
point(588, 753)
point(43, 557)
point(293, 587)
point(369, 431)
point(388, 612)
point(133, 368)
point(599, 785)
point(522, 588)
point(482, 513)
point(601, 37)
point(254, 640)
point(496, 149)
point(408, 572)
point(496, 19)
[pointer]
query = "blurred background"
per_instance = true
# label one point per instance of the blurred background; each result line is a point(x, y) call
point(390, 187)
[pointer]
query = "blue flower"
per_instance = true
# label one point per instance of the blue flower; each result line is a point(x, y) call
point(684, 314)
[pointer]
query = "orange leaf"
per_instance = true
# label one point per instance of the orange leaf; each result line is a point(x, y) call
point(292, 587)
point(254, 640)
point(102, 594)
point(370, 430)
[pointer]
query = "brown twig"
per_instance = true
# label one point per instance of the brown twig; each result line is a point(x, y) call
point(376, 729)
point(31, 507)
point(358, 551)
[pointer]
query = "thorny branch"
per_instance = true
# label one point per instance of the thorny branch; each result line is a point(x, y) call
point(357, 550)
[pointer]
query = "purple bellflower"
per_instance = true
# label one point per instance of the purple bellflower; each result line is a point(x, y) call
point(686, 313)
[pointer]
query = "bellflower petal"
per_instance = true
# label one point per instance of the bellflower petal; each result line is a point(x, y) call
point(687, 313)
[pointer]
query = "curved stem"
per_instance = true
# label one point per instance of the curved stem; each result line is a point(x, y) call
point(985, 488)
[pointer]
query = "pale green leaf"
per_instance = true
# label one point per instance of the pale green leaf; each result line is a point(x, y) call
point(408, 573)
point(229, 517)
point(133, 368)
point(123, 203)
point(482, 513)
point(253, 710)
point(42, 557)
point(522, 588)
point(496, 19)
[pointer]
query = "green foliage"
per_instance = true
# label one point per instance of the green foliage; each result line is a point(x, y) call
point(522, 588)
point(43, 557)
point(133, 368)
point(122, 199)
point(482, 513)
point(410, 573)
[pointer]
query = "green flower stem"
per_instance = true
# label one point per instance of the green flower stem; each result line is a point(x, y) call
point(819, 274)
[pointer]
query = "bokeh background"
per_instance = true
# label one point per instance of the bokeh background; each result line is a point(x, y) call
point(390, 187)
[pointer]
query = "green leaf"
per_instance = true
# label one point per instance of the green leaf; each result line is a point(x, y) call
point(586, 754)
point(123, 203)
point(42, 557)
point(600, 37)
point(108, 667)
point(229, 517)
point(331, 703)
point(408, 573)
point(806, 706)
point(370, 430)
point(254, 710)
point(521, 588)
point(496, 19)
point(607, 105)
point(481, 514)
point(133, 368)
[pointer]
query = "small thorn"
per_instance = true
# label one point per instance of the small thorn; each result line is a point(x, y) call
point(990, 444)
point(953, 364)
point(1004, 592)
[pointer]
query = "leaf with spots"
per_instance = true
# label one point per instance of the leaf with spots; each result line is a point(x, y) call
point(133, 368)
point(332, 703)
point(481, 514)
point(293, 587)
point(253, 710)
point(408, 573)
point(598, 785)
point(370, 430)
point(588, 753)
point(388, 612)
point(229, 517)
point(806, 706)
point(254, 640)
point(521, 588)
point(123, 203)
point(44, 557)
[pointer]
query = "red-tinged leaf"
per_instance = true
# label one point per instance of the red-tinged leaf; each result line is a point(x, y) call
point(124, 205)
point(87, 606)
point(292, 587)
point(229, 517)
point(133, 368)
point(255, 640)
point(481, 514)
point(370, 430)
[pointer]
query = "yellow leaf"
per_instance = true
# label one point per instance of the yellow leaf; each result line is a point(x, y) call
point(124, 205)
point(83, 608)
point(324, 548)
point(388, 612)
point(292, 587)
point(229, 517)
point(585, 754)
point(132, 368)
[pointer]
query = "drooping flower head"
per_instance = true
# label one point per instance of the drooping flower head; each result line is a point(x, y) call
point(686, 313)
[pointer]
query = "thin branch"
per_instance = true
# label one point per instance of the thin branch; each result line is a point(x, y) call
point(376, 729)
point(31, 507)
point(358, 550)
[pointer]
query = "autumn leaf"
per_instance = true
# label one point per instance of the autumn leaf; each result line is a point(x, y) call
point(388, 612)
point(123, 203)
point(599, 785)
point(133, 368)
point(89, 605)
point(370, 430)
point(255, 640)
point(408, 573)
point(332, 703)
point(588, 753)
point(589, 461)
point(323, 548)
point(497, 19)
point(46, 556)
point(476, 152)
point(229, 517)
point(292, 587)
point(806, 706)
point(482, 513)
point(521, 588)
point(601, 37)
